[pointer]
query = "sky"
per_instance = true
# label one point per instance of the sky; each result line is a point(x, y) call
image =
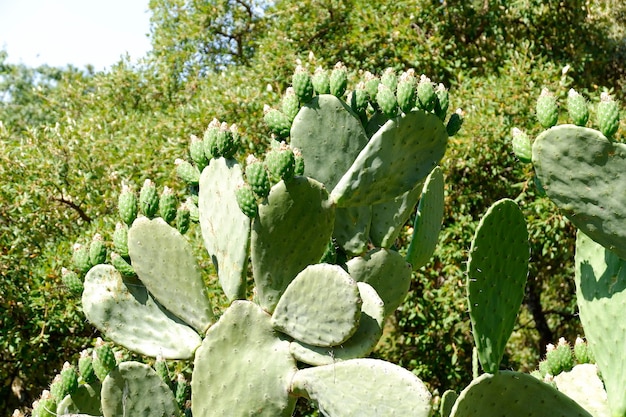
point(76, 32)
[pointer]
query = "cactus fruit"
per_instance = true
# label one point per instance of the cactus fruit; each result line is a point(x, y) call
point(120, 239)
point(209, 140)
point(496, 278)
point(257, 177)
point(582, 353)
point(181, 392)
point(389, 79)
point(167, 206)
point(148, 199)
point(359, 100)
point(547, 109)
point(187, 172)
point(580, 169)
point(85, 367)
point(426, 94)
point(183, 218)
point(577, 108)
point(45, 406)
point(455, 122)
point(71, 281)
point(280, 163)
point(559, 359)
point(521, 145)
point(97, 250)
point(127, 205)
point(64, 383)
point(321, 81)
point(103, 359)
point(302, 84)
point(607, 115)
point(338, 80)
point(197, 153)
point(80, 258)
point(406, 91)
point(290, 104)
point(386, 100)
point(246, 200)
point(227, 141)
point(442, 102)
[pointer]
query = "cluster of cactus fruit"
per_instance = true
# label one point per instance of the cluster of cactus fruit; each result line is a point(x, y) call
point(317, 219)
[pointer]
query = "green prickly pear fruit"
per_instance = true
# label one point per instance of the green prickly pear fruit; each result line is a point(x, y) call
point(186, 172)
point(160, 366)
point(582, 353)
point(280, 163)
point(455, 122)
point(521, 145)
point(120, 239)
point(148, 199)
point(247, 201)
point(290, 104)
point(558, 359)
point(338, 80)
point(65, 383)
point(183, 218)
point(257, 177)
point(302, 84)
point(387, 101)
point(577, 108)
point(321, 81)
point(389, 78)
point(607, 115)
point(298, 169)
point(71, 281)
point(406, 91)
point(547, 109)
point(371, 85)
point(80, 258)
point(359, 99)
point(196, 151)
point(46, 406)
point(210, 138)
point(227, 141)
point(442, 102)
point(277, 121)
point(426, 93)
point(103, 359)
point(182, 390)
point(167, 206)
point(127, 204)
point(192, 205)
point(85, 367)
point(97, 250)
point(123, 267)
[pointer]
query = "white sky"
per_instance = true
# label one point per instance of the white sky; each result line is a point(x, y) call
point(77, 32)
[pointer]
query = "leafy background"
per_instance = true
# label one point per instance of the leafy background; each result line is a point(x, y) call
point(69, 137)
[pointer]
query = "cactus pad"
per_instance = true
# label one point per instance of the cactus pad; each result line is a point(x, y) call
point(583, 385)
point(321, 306)
point(584, 174)
point(126, 313)
point(514, 394)
point(164, 262)
point(134, 389)
point(345, 389)
point(399, 155)
point(291, 231)
point(496, 277)
point(242, 368)
point(225, 228)
point(428, 221)
point(601, 295)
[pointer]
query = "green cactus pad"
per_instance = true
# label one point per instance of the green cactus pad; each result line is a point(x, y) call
point(427, 221)
point(242, 368)
point(584, 174)
point(134, 389)
point(225, 228)
point(601, 296)
point(496, 276)
point(514, 394)
point(365, 388)
point(126, 313)
point(164, 262)
point(360, 344)
point(389, 217)
point(291, 231)
point(321, 306)
point(386, 271)
point(447, 402)
point(85, 400)
point(399, 155)
point(352, 228)
point(583, 385)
